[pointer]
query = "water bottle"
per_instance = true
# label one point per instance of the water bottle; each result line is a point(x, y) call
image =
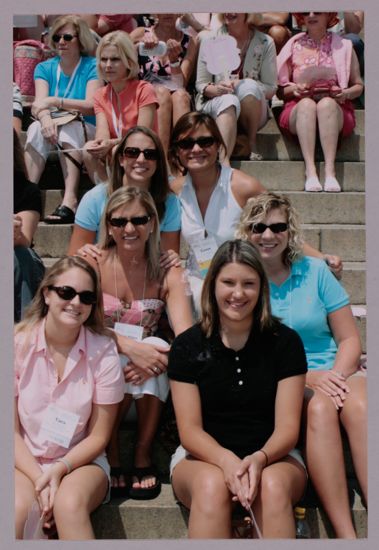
point(302, 527)
point(159, 49)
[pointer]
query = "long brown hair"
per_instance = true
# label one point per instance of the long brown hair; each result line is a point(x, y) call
point(242, 252)
point(38, 309)
point(159, 187)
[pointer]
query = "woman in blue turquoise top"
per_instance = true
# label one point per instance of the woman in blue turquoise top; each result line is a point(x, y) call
point(66, 82)
point(308, 298)
point(139, 160)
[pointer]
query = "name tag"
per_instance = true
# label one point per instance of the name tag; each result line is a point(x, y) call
point(204, 250)
point(59, 425)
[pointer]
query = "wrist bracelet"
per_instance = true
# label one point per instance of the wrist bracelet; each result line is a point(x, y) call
point(66, 463)
point(266, 456)
point(175, 64)
point(61, 103)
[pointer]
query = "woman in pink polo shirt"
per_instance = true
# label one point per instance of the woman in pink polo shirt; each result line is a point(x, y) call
point(124, 102)
point(67, 386)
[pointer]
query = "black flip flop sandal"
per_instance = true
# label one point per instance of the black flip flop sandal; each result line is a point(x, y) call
point(150, 492)
point(63, 214)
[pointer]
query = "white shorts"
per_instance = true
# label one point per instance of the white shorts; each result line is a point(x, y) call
point(71, 134)
point(181, 453)
point(215, 106)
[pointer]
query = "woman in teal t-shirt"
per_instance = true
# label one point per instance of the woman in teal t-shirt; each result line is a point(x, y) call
point(308, 298)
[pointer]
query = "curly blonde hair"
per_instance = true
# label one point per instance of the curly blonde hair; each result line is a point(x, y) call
point(257, 208)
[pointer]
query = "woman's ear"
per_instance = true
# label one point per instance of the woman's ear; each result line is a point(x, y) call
point(45, 293)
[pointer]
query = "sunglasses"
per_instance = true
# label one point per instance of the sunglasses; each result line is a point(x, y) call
point(188, 143)
point(137, 220)
point(134, 152)
point(274, 227)
point(87, 297)
point(67, 37)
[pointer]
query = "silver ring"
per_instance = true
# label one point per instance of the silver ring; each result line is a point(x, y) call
point(157, 370)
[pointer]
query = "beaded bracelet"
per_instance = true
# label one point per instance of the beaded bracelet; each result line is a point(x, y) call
point(66, 463)
point(266, 456)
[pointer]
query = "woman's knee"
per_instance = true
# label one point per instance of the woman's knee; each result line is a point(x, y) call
point(210, 492)
point(249, 88)
point(69, 505)
point(163, 96)
point(181, 97)
point(321, 412)
point(306, 105)
point(275, 492)
point(327, 105)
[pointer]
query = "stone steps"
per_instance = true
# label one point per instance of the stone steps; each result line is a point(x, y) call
point(284, 176)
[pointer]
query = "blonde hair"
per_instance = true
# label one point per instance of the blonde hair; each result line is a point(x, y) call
point(126, 50)
point(87, 43)
point(241, 252)
point(38, 308)
point(122, 197)
point(257, 208)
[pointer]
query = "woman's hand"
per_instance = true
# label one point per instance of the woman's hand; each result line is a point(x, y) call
point(147, 357)
point(335, 264)
point(301, 90)
point(49, 129)
point(331, 383)
point(252, 466)
point(47, 485)
point(89, 250)
point(150, 39)
point(169, 258)
point(99, 148)
point(237, 484)
point(341, 95)
point(174, 49)
point(219, 89)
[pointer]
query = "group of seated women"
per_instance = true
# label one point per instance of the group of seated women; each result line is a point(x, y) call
point(264, 346)
point(316, 73)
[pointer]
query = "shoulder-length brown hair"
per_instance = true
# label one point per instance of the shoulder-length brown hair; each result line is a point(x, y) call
point(122, 197)
point(185, 125)
point(241, 252)
point(257, 208)
point(38, 309)
point(159, 187)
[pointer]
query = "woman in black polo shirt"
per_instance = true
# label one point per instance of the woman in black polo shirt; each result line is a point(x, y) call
point(237, 382)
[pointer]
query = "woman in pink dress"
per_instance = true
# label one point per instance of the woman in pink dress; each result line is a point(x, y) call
point(136, 291)
point(318, 79)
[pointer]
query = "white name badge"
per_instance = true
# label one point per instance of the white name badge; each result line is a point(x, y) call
point(131, 331)
point(204, 250)
point(59, 425)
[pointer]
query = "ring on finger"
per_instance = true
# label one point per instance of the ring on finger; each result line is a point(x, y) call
point(157, 370)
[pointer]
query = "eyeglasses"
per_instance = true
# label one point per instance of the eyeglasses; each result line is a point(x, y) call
point(67, 37)
point(188, 143)
point(121, 222)
point(87, 297)
point(134, 152)
point(274, 227)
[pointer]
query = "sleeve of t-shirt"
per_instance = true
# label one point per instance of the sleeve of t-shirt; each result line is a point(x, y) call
point(172, 217)
point(109, 381)
point(146, 94)
point(87, 215)
point(292, 360)
point(182, 365)
point(42, 71)
point(331, 292)
point(98, 101)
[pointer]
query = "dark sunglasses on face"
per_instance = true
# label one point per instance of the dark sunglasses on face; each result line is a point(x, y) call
point(188, 143)
point(134, 152)
point(67, 37)
point(87, 297)
point(137, 220)
point(274, 227)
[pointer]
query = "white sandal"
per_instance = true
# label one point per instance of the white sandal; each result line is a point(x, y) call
point(255, 156)
point(313, 185)
point(331, 185)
